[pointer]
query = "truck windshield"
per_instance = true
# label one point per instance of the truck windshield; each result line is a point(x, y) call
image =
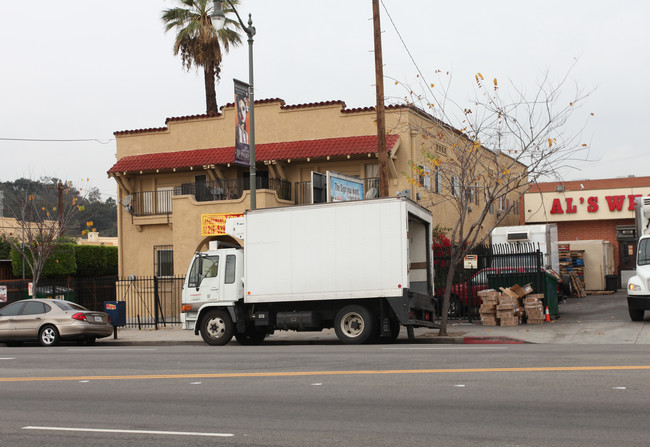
point(644, 252)
point(203, 267)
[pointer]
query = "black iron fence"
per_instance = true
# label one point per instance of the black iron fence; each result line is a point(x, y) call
point(89, 292)
point(499, 265)
point(150, 301)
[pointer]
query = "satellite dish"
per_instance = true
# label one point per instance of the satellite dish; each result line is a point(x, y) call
point(126, 203)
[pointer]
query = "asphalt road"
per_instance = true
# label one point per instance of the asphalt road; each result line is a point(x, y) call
point(323, 395)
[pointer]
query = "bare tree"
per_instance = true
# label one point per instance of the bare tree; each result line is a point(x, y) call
point(40, 222)
point(495, 150)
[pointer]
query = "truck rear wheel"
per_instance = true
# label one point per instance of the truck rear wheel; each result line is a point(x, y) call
point(354, 324)
point(636, 314)
point(216, 327)
point(252, 336)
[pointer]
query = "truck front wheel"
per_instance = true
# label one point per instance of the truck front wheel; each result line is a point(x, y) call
point(636, 314)
point(216, 327)
point(354, 324)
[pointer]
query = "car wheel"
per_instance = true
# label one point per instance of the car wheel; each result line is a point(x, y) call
point(252, 336)
point(354, 324)
point(636, 314)
point(216, 328)
point(48, 336)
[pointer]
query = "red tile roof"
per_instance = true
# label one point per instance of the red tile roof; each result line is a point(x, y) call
point(265, 151)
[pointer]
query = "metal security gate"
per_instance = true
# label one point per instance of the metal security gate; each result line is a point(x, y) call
point(151, 301)
point(497, 265)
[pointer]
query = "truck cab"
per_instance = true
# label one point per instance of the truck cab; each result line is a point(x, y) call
point(638, 286)
point(213, 281)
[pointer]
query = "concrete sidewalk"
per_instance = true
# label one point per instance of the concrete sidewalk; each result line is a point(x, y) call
point(595, 319)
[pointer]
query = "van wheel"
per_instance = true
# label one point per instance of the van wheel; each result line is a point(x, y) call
point(636, 314)
point(216, 328)
point(354, 324)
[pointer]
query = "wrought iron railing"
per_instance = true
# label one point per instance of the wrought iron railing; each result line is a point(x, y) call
point(147, 203)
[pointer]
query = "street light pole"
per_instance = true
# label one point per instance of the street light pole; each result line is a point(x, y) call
point(218, 18)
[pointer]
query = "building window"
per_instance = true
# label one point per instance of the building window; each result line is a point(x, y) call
point(438, 182)
point(163, 260)
point(476, 195)
point(455, 186)
point(424, 179)
point(164, 198)
point(441, 149)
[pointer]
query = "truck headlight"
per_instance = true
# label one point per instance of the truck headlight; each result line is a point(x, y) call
point(633, 287)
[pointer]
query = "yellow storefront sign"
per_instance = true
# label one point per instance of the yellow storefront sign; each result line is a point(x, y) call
point(215, 224)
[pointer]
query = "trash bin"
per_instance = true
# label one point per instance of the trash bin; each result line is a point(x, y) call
point(117, 311)
point(611, 282)
point(550, 294)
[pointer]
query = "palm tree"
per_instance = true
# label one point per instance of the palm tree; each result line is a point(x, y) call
point(199, 43)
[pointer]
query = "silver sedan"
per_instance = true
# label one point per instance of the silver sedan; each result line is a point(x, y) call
point(49, 321)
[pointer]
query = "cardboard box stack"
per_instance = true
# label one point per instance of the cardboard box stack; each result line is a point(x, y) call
point(488, 309)
point(506, 310)
point(534, 308)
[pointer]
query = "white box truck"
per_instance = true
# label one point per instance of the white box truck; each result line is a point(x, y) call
point(362, 267)
point(543, 235)
point(638, 286)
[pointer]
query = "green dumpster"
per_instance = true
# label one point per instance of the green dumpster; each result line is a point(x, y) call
point(548, 287)
point(53, 292)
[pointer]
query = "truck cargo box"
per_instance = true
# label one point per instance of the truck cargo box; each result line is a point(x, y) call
point(345, 250)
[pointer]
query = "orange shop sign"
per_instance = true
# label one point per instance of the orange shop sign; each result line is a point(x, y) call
point(215, 224)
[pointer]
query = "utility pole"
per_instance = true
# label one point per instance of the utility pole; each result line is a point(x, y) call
point(59, 186)
point(381, 116)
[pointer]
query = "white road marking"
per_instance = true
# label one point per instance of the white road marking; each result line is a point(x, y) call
point(84, 381)
point(196, 383)
point(136, 432)
point(98, 349)
point(441, 348)
point(619, 388)
point(459, 386)
point(7, 358)
point(316, 384)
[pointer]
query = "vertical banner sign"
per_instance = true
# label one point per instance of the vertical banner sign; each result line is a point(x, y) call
point(3, 294)
point(242, 124)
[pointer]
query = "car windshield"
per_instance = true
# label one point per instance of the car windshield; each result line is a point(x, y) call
point(67, 305)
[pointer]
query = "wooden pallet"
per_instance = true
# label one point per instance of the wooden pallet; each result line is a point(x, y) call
point(576, 285)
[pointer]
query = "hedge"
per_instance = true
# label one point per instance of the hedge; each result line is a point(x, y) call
point(72, 259)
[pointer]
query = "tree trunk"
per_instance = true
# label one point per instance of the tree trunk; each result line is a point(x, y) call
point(445, 300)
point(210, 92)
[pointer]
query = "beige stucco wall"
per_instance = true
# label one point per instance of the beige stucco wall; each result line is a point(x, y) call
point(181, 229)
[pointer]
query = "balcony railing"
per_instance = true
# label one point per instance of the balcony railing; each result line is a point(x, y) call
point(148, 203)
point(304, 190)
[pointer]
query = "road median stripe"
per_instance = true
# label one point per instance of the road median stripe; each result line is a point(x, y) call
point(327, 373)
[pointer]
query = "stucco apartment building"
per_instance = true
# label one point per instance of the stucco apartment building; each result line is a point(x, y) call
point(175, 181)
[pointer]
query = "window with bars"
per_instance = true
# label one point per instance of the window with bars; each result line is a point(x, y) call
point(163, 260)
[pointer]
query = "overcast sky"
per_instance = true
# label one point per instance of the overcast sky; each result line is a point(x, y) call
point(75, 70)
